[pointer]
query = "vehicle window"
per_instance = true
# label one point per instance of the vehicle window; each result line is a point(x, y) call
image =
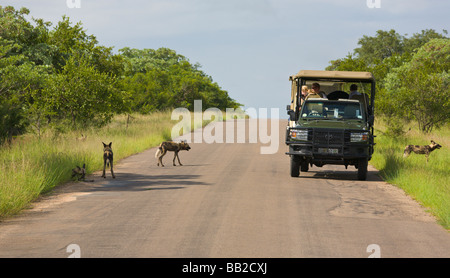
point(331, 110)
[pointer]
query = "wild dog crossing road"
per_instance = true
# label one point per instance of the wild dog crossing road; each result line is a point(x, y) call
point(227, 200)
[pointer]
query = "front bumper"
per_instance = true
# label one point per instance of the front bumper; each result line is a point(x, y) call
point(322, 152)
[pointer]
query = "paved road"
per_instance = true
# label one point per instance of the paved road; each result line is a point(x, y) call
point(228, 200)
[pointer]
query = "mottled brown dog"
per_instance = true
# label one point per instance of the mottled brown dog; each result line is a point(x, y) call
point(166, 146)
point(79, 173)
point(426, 150)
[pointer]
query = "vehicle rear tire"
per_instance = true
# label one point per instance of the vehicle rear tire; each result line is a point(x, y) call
point(295, 166)
point(362, 169)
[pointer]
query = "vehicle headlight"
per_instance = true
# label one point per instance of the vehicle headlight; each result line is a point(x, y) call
point(299, 134)
point(359, 137)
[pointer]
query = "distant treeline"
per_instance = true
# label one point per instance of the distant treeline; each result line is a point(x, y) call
point(412, 74)
point(61, 77)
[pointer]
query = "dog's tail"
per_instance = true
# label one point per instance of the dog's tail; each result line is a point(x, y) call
point(158, 152)
point(406, 152)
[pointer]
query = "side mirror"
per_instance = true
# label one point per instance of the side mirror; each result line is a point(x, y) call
point(371, 120)
point(291, 114)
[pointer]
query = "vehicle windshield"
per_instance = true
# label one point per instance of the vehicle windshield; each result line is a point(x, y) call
point(325, 109)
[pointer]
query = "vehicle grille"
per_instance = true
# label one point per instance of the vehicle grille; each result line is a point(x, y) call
point(329, 137)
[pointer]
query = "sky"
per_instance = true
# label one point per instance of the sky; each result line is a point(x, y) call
point(249, 47)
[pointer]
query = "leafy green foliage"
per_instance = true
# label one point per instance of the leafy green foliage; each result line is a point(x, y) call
point(162, 79)
point(81, 96)
point(61, 77)
point(412, 76)
point(421, 86)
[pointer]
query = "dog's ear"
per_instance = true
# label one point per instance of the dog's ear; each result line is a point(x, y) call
point(110, 144)
point(104, 145)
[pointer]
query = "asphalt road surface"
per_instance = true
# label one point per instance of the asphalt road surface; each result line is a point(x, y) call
point(227, 200)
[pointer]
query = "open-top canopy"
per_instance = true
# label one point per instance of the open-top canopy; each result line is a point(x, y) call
point(339, 75)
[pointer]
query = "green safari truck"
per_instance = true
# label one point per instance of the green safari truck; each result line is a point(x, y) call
point(333, 125)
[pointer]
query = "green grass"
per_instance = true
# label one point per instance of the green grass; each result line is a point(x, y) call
point(428, 183)
point(31, 166)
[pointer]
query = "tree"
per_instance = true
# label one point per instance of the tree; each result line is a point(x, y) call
point(143, 60)
point(162, 79)
point(61, 76)
point(14, 74)
point(386, 55)
point(417, 40)
point(373, 50)
point(349, 63)
point(81, 96)
point(420, 88)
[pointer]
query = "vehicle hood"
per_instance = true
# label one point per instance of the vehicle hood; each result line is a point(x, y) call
point(332, 124)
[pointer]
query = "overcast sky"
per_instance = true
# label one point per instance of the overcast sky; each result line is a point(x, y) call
point(249, 47)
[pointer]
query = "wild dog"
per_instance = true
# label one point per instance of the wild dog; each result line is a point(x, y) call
point(107, 159)
point(426, 150)
point(82, 138)
point(173, 147)
point(79, 173)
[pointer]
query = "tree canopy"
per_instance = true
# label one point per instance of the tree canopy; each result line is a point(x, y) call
point(412, 75)
point(162, 79)
point(60, 76)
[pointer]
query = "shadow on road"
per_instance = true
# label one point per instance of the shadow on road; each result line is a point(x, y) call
point(339, 175)
point(129, 182)
point(137, 182)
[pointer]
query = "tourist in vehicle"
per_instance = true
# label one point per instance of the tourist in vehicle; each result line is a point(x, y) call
point(303, 95)
point(354, 91)
point(363, 98)
point(312, 94)
point(316, 88)
point(304, 91)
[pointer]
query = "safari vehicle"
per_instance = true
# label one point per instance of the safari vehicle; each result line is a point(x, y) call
point(337, 129)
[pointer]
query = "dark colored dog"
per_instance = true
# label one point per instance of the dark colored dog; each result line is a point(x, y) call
point(107, 159)
point(426, 150)
point(79, 173)
point(173, 147)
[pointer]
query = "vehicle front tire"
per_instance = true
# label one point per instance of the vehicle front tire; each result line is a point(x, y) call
point(362, 169)
point(295, 166)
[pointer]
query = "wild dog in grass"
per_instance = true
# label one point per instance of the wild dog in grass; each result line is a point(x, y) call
point(426, 150)
point(80, 173)
point(166, 146)
point(82, 138)
point(107, 159)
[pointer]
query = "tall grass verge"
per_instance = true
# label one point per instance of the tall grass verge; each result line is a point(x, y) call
point(34, 165)
point(428, 183)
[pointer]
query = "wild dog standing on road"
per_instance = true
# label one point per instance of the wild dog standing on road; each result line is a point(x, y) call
point(426, 150)
point(107, 159)
point(173, 147)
